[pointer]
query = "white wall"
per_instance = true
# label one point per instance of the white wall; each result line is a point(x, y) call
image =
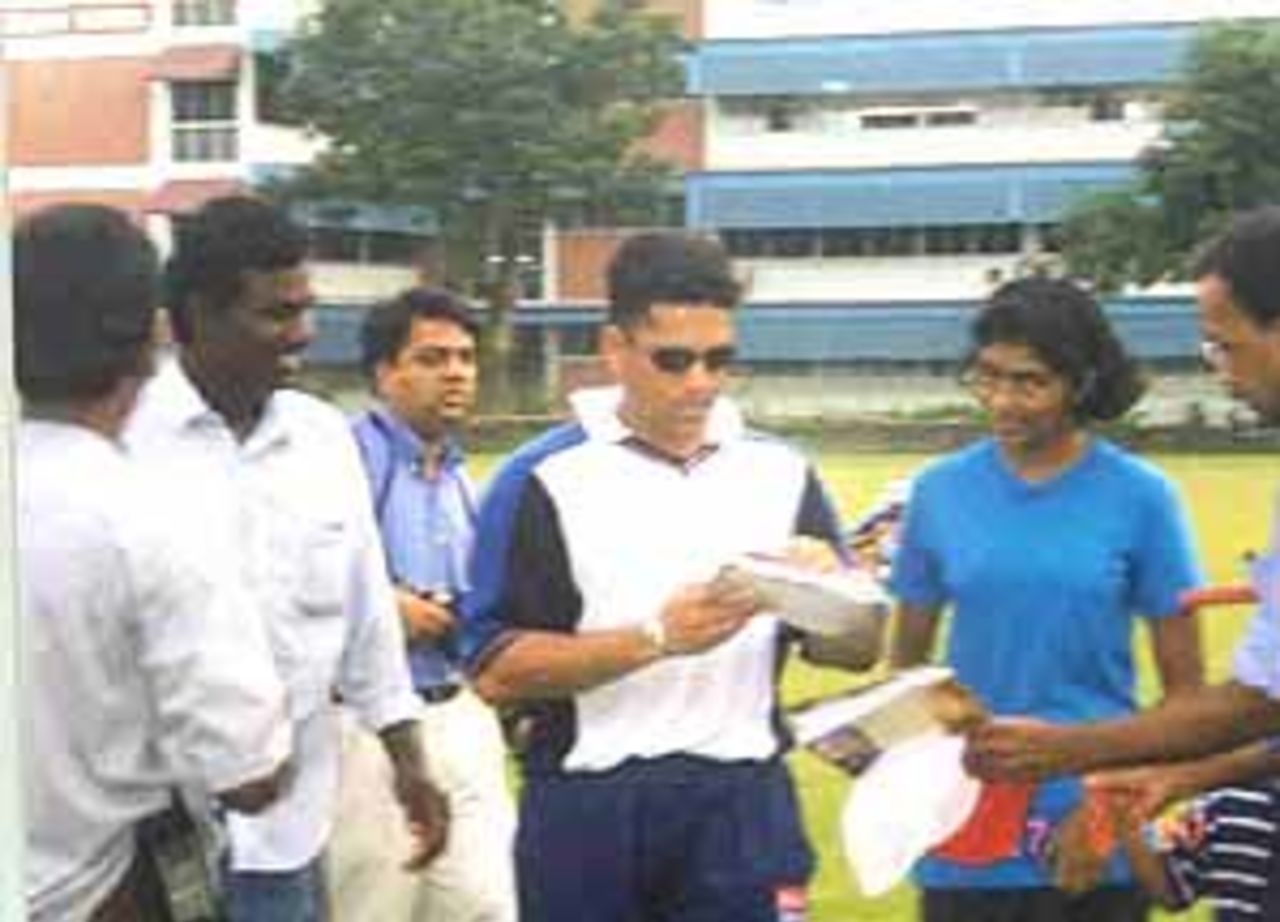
point(277, 15)
point(775, 18)
point(926, 147)
point(1008, 130)
point(277, 144)
point(874, 279)
point(348, 282)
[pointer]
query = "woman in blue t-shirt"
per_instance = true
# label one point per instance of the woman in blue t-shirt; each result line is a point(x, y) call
point(1047, 543)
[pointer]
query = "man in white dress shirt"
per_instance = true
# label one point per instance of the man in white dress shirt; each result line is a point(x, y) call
point(274, 477)
point(141, 668)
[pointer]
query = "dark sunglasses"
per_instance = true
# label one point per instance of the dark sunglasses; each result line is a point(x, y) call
point(678, 360)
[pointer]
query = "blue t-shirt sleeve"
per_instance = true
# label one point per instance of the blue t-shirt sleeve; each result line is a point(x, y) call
point(1165, 563)
point(916, 577)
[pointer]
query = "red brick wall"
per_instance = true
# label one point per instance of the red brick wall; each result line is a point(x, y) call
point(687, 12)
point(79, 113)
point(582, 257)
point(678, 139)
point(132, 202)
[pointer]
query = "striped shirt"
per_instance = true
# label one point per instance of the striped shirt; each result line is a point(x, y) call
point(1224, 852)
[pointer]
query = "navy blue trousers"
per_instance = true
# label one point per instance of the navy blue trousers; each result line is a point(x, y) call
point(676, 839)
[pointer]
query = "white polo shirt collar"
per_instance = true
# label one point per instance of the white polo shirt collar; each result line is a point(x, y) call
point(597, 410)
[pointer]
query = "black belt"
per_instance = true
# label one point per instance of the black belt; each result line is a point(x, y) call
point(439, 694)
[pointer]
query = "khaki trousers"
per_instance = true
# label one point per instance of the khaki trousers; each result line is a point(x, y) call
point(473, 879)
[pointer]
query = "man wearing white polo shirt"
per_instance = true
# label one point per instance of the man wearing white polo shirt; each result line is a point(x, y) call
point(654, 785)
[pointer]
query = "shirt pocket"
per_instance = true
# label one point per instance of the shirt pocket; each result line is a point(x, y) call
point(324, 570)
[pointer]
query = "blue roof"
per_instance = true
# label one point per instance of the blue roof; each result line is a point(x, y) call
point(1153, 328)
point(337, 335)
point(1164, 328)
point(906, 197)
point(941, 61)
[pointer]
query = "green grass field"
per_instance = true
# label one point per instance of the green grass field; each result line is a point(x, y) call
point(1229, 498)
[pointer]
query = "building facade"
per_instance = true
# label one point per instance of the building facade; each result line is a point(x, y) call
point(878, 168)
point(875, 168)
point(156, 105)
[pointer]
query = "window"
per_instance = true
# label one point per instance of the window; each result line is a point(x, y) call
point(366, 247)
point(875, 242)
point(790, 243)
point(949, 118)
point(1051, 237)
point(780, 116)
point(881, 119)
point(385, 248)
point(999, 238)
point(962, 239)
point(204, 121)
point(335, 245)
point(1106, 107)
point(273, 69)
point(884, 120)
point(204, 12)
point(947, 239)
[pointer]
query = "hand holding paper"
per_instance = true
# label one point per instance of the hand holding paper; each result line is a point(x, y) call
point(838, 602)
point(900, 737)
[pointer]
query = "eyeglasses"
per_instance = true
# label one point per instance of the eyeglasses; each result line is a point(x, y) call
point(983, 381)
point(679, 360)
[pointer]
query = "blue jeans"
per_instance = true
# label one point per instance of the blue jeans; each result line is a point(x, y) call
point(277, 896)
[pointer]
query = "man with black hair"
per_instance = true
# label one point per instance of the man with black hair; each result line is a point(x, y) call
point(654, 784)
point(273, 478)
point(141, 667)
point(418, 353)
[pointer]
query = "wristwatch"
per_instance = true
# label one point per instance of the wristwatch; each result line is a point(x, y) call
point(655, 632)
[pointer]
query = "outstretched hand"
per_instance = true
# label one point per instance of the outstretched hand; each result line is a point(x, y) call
point(1146, 791)
point(1019, 749)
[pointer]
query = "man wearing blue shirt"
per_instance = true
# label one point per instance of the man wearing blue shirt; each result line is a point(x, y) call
point(1238, 293)
point(419, 353)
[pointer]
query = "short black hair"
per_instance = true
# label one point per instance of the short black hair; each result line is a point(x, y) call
point(668, 267)
point(215, 246)
point(386, 326)
point(86, 289)
point(1247, 256)
point(1066, 327)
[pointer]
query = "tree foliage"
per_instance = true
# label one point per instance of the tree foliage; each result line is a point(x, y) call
point(1217, 154)
point(496, 114)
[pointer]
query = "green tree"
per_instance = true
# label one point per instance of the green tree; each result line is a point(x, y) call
point(496, 114)
point(1216, 155)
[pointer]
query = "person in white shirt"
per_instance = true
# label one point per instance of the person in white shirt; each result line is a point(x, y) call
point(654, 782)
point(141, 671)
point(274, 478)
